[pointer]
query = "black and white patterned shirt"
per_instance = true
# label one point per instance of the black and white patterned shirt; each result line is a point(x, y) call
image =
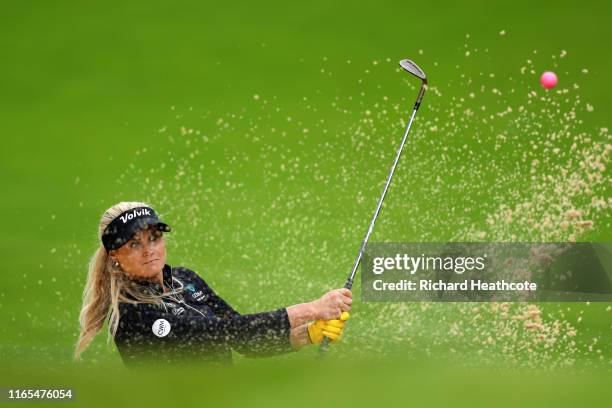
point(196, 325)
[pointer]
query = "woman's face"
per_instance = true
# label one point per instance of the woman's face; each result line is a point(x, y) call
point(142, 257)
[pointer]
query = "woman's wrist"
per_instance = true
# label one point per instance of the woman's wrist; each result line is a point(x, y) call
point(301, 314)
point(299, 337)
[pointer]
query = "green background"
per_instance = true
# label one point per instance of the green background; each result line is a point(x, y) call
point(263, 133)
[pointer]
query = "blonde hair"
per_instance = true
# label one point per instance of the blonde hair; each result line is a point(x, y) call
point(107, 285)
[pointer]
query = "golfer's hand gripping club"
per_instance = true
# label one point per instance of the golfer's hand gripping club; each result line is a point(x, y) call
point(327, 329)
point(326, 340)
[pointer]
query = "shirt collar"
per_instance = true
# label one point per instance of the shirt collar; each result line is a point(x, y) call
point(166, 276)
point(167, 272)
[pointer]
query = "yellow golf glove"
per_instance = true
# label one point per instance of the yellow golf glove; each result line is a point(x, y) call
point(328, 328)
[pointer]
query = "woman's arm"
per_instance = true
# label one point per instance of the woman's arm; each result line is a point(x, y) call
point(260, 334)
point(329, 306)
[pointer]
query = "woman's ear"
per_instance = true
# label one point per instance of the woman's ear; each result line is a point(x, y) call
point(111, 255)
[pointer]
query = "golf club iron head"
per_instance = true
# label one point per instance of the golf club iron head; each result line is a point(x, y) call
point(413, 69)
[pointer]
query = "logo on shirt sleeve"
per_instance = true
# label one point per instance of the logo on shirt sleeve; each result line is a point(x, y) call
point(199, 295)
point(161, 328)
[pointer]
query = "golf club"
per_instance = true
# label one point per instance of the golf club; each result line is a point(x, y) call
point(413, 68)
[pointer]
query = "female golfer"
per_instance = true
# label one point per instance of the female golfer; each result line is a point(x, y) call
point(169, 313)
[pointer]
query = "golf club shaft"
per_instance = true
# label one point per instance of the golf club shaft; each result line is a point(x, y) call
point(349, 282)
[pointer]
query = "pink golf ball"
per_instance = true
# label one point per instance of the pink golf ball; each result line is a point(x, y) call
point(548, 79)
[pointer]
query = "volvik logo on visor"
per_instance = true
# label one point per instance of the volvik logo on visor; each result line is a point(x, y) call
point(135, 213)
point(125, 225)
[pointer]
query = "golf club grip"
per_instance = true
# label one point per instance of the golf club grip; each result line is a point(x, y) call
point(324, 346)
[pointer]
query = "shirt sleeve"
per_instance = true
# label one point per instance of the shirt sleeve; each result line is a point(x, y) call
point(259, 334)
